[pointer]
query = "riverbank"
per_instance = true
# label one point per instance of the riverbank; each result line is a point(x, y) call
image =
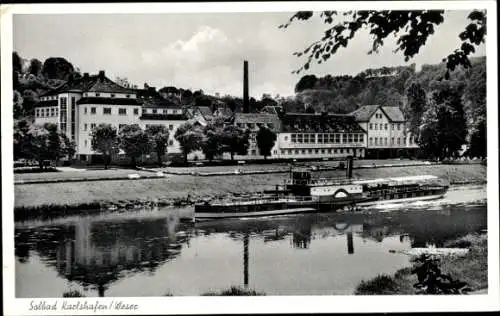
point(471, 268)
point(31, 199)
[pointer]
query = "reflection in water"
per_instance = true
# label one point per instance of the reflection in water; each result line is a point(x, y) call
point(98, 253)
point(245, 260)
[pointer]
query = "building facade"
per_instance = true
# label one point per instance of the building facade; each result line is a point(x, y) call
point(81, 104)
point(309, 136)
point(387, 131)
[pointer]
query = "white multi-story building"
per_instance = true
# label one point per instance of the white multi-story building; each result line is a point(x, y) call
point(81, 104)
point(387, 132)
point(309, 136)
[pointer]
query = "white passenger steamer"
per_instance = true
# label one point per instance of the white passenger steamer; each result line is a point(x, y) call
point(304, 194)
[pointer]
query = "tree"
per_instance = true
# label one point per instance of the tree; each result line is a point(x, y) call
point(190, 138)
point(104, 140)
point(37, 144)
point(57, 68)
point(158, 137)
point(236, 140)
point(21, 139)
point(35, 67)
point(306, 82)
point(213, 143)
point(411, 28)
point(478, 141)
point(134, 141)
point(443, 129)
point(265, 141)
point(416, 106)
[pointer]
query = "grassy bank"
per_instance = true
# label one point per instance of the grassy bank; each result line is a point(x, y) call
point(471, 269)
point(179, 186)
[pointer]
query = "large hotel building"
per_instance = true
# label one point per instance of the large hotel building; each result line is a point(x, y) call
point(81, 104)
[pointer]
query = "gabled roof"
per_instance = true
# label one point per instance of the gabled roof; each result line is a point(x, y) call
point(93, 83)
point(107, 85)
point(364, 113)
point(159, 103)
point(394, 113)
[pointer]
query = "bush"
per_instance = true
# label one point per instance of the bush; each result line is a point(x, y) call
point(235, 291)
point(381, 284)
point(73, 293)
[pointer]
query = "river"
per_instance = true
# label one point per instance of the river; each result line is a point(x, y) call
point(153, 253)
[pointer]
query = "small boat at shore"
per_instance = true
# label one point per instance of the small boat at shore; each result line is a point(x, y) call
point(304, 194)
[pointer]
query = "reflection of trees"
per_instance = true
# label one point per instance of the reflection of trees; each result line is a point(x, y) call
point(426, 228)
point(98, 253)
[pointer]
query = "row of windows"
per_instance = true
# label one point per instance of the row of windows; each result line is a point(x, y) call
point(46, 112)
point(97, 94)
point(385, 126)
point(319, 151)
point(86, 143)
point(108, 111)
point(384, 141)
point(54, 97)
point(162, 111)
point(93, 125)
point(254, 125)
point(302, 138)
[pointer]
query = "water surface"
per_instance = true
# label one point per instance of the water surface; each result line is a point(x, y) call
point(152, 253)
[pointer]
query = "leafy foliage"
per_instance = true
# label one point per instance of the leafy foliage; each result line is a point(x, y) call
point(134, 141)
point(158, 137)
point(236, 140)
point(41, 143)
point(104, 140)
point(411, 28)
point(190, 138)
point(266, 139)
point(213, 144)
point(443, 129)
point(431, 280)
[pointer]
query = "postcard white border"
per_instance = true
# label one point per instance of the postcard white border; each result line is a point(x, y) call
point(267, 304)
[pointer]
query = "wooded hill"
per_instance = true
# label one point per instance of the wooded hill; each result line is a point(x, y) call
point(390, 86)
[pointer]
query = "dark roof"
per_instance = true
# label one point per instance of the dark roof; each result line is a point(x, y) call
point(159, 103)
point(364, 113)
point(107, 85)
point(46, 103)
point(320, 123)
point(163, 117)
point(94, 83)
point(112, 101)
point(255, 118)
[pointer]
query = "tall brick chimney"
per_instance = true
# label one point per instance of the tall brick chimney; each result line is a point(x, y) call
point(246, 105)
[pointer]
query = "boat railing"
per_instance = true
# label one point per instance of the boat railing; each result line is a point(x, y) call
point(318, 181)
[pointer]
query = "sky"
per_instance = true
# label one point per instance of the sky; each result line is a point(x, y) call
point(206, 50)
